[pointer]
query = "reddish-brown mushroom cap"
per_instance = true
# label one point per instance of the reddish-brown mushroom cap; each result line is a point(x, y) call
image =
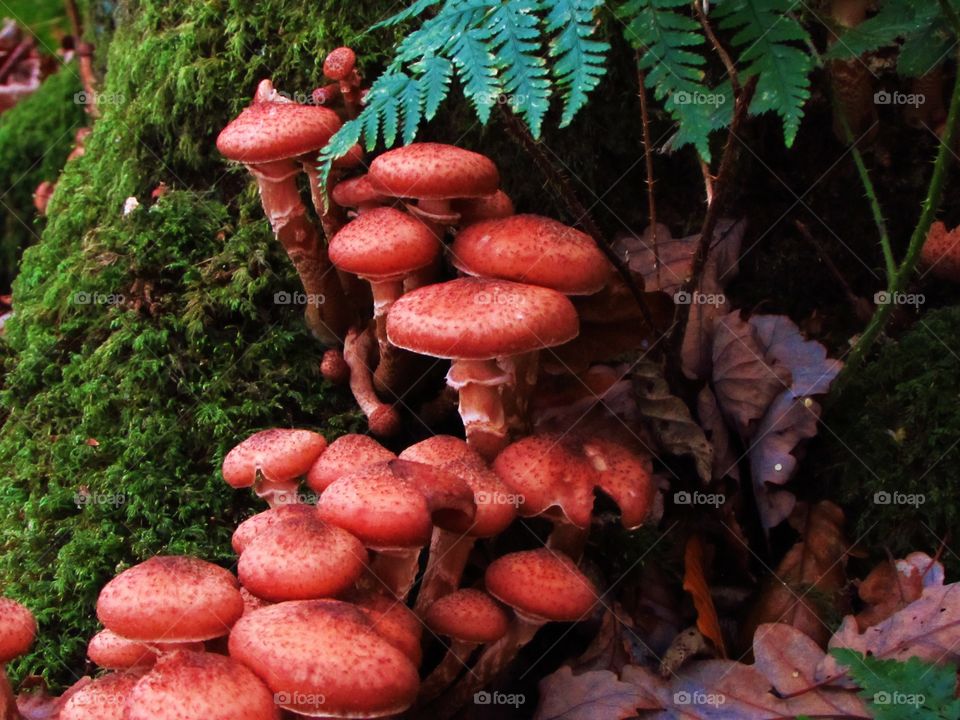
point(103, 699)
point(477, 319)
point(268, 131)
point(190, 685)
point(394, 621)
point(535, 250)
point(395, 504)
point(262, 521)
point(110, 651)
point(472, 210)
point(468, 615)
point(941, 252)
point(279, 454)
point(625, 475)
point(345, 455)
point(171, 599)
point(18, 628)
point(301, 559)
point(540, 584)
point(356, 192)
point(433, 170)
point(383, 244)
point(358, 673)
point(339, 63)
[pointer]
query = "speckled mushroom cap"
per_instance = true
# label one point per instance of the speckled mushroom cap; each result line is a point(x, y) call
point(354, 192)
point(301, 559)
point(268, 131)
point(357, 674)
point(541, 585)
point(474, 210)
point(383, 244)
point(475, 319)
point(468, 615)
point(18, 628)
point(262, 521)
point(280, 454)
point(103, 699)
point(496, 505)
point(339, 63)
point(435, 171)
point(109, 650)
point(548, 471)
point(394, 621)
point(395, 504)
point(171, 598)
point(200, 686)
point(532, 249)
point(345, 455)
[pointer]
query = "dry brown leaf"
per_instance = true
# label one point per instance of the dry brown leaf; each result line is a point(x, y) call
point(725, 461)
point(612, 647)
point(893, 584)
point(685, 647)
point(590, 696)
point(810, 576)
point(695, 583)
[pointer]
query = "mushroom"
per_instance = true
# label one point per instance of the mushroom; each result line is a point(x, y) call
point(940, 254)
point(269, 137)
point(112, 652)
point(434, 174)
point(359, 673)
point(555, 476)
point(472, 210)
point(200, 686)
point(382, 418)
point(18, 629)
point(485, 327)
point(393, 621)
point(340, 66)
point(356, 193)
point(470, 618)
point(263, 521)
point(541, 586)
point(301, 559)
point(334, 368)
point(346, 454)
point(103, 699)
point(171, 599)
point(384, 247)
point(392, 507)
point(496, 509)
point(272, 461)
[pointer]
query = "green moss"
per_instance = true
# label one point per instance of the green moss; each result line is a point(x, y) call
point(120, 404)
point(896, 431)
point(35, 139)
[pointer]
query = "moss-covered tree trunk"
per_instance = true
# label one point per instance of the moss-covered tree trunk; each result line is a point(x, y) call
point(144, 346)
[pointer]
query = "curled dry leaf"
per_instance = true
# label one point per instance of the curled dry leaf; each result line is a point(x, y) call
point(685, 647)
point(808, 582)
point(725, 461)
point(592, 695)
point(811, 370)
point(893, 584)
point(695, 583)
point(613, 646)
point(669, 418)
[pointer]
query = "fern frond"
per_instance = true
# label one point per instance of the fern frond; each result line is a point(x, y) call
point(415, 10)
point(578, 66)
point(477, 70)
point(764, 31)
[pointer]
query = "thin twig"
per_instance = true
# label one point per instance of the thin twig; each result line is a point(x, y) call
point(852, 297)
point(718, 47)
point(555, 175)
point(707, 179)
point(648, 156)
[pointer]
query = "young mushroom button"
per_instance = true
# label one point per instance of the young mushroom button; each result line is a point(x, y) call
point(345, 455)
point(486, 327)
point(272, 461)
point(103, 699)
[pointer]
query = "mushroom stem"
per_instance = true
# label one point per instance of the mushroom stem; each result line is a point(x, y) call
point(448, 557)
point(385, 293)
point(396, 568)
point(8, 703)
point(443, 675)
point(288, 218)
point(383, 419)
point(481, 384)
point(494, 659)
point(277, 493)
point(568, 539)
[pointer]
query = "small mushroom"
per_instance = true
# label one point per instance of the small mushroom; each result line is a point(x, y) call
point(358, 673)
point(487, 328)
point(340, 66)
point(112, 652)
point(263, 521)
point(357, 194)
point(470, 618)
point(272, 462)
point(200, 686)
point(103, 699)
point(490, 207)
point(345, 455)
point(382, 418)
point(434, 174)
point(18, 629)
point(171, 599)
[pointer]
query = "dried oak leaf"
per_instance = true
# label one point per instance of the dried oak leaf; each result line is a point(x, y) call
point(725, 461)
point(613, 646)
point(928, 628)
point(809, 580)
point(894, 584)
point(592, 695)
point(695, 583)
point(810, 368)
point(669, 418)
point(744, 382)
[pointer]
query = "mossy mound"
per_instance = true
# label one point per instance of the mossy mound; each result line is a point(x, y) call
point(143, 347)
point(892, 440)
point(35, 138)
